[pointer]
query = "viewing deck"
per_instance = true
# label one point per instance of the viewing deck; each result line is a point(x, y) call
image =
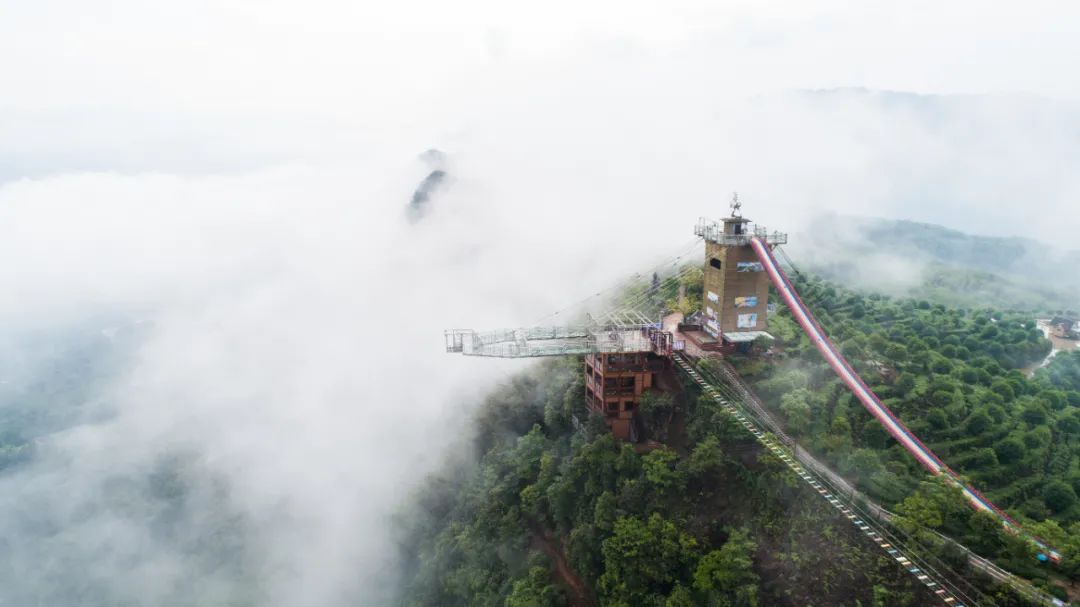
point(545, 341)
point(713, 231)
point(618, 331)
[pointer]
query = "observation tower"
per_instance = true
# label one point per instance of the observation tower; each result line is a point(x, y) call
point(735, 295)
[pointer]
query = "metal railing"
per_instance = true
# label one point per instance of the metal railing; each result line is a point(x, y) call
point(713, 231)
point(858, 500)
point(562, 341)
point(933, 580)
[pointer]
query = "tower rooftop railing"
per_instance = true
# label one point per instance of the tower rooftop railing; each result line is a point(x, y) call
point(713, 231)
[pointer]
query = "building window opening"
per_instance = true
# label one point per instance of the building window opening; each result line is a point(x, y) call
point(714, 262)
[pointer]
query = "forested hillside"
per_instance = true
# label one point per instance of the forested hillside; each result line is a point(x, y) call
point(953, 376)
point(553, 511)
point(550, 515)
point(906, 258)
point(1063, 371)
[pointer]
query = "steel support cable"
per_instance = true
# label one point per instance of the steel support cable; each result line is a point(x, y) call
point(839, 494)
point(733, 389)
point(862, 351)
point(836, 500)
point(787, 259)
point(869, 400)
point(684, 250)
point(644, 297)
point(915, 551)
point(631, 305)
point(973, 496)
point(988, 568)
point(1019, 584)
point(821, 340)
point(652, 289)
point(804, 311)
point(924, 553)
point(613, 288)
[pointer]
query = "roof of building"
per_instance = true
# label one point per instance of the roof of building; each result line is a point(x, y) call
point(738, 337)
point(1061, 320)
point(697, 318)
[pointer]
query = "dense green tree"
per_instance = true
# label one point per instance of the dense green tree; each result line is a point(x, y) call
point(535, 590)
point(706, 457)
point(1009, 450)
point(1035, 413)
point(896, 353)
point(1059, 496)
point(725, 577)
point(1004, 389)
point(905, 383)
point(661, 471)
point(937, 419)
point(1054, 398)
point(643, 559)
point(985, 533)
point(979, 422)
point(797, 410)
point(885, 597)
point(681, 597)
point(1069, 425)
point(605, 512)
point(656, 409)
point(940, 364)
point(968, 375)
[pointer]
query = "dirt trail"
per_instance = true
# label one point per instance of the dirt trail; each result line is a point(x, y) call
point(1058, 345)
point(578, 593)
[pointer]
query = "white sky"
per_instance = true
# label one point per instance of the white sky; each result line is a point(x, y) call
point(351, 58)
point(133, 86)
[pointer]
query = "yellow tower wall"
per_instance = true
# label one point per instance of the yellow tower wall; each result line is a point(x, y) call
point(732, 298)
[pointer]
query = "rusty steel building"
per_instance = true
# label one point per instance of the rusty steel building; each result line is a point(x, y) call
point(614, 384)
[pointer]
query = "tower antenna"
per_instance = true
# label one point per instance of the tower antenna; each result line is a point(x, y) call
point(736, 205)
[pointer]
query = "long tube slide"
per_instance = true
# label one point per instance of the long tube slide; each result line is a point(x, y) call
point(872, 403)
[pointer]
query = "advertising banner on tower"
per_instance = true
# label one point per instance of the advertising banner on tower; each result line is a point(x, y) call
point(747, 321)
point(749, 266)
point(746, 302)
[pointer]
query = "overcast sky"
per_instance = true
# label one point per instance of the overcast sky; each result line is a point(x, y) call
point(236, 172)
point(353, 59)
point(234, 86)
